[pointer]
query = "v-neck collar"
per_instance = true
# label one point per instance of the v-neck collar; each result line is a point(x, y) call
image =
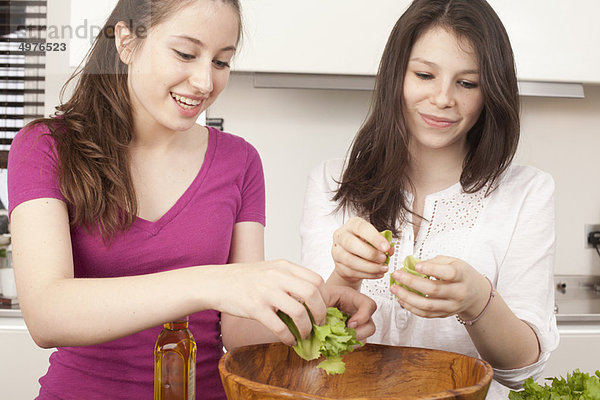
point(154, 227)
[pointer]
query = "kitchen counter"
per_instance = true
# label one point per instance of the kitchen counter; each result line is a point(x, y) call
point(11, 319)
point(10, 312)
point(577, 298)
point(577, 303)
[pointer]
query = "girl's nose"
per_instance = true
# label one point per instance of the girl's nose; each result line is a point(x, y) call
point(201, 79)
point(443, 96)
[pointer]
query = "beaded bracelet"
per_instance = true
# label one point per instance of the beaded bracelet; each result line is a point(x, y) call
point(471, 322)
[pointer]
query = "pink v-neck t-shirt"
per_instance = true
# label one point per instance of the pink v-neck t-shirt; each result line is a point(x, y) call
point(197, 230)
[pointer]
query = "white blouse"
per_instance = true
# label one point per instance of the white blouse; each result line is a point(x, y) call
point(508, 236)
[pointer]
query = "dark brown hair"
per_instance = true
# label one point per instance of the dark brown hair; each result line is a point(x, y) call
point(375, 180)
point(93, 129)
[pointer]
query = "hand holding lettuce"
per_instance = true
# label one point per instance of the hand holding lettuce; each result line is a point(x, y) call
point(330, 340)
point(408, 265)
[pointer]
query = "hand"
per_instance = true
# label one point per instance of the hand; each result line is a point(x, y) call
point(258, 290)
point(457, 289)
point(357, 305)
point(359, 251)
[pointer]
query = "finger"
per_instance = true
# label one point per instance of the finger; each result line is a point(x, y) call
point(308, 288)
point(357, 305)
point(272, 322)
point(361, 308)
point(315, 300)
point(353, 274)
point(428, 287)
point(370, 260)
point(298, 313)
point(444, 269)
point(423, 306)
point(365, 330)
point(369, 233)
point(350, 245)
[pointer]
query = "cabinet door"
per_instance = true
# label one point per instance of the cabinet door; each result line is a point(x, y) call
point(553, 40)
point(574, 351)
point(315, 36)
point(21, 365)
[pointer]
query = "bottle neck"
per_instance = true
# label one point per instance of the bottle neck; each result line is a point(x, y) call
point(181, 323)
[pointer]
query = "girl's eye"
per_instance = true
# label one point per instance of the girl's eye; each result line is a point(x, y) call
point(221, 64)
point(424, 76)
point(184, 56)
point(468, 85)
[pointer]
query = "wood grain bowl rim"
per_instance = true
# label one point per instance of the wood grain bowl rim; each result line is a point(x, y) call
point(483, 383)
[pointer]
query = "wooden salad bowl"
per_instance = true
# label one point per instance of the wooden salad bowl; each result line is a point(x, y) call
point(274, 371)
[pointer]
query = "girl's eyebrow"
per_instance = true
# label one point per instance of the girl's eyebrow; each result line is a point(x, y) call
point(434, 65)
point(198, 42)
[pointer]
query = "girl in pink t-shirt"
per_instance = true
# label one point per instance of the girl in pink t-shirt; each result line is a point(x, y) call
point(126, 214)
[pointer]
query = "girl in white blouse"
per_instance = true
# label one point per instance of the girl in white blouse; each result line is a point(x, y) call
point(432, 163)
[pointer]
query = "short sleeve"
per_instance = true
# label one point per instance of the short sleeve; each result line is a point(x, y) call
point(253, 189)
point(33, 171)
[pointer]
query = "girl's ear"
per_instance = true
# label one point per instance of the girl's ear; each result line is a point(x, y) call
point(124, 39)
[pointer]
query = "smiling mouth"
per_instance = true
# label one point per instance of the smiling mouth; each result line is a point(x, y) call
point(186, 102)
point(437, 122)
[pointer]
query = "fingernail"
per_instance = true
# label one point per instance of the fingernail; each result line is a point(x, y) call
point(384, 268)
point(352, 324)
point(385, 246)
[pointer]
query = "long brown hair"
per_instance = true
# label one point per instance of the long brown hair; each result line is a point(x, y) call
point(375, 180)
point(93, 129)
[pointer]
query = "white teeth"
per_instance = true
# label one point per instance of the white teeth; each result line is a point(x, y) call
point(186, 102)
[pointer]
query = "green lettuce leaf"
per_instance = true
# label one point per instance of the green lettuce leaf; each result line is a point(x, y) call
point(388, 235)
point(408, 265)
point(577, 386)
point(330, 340)
point(307, 348)
point(333, 365)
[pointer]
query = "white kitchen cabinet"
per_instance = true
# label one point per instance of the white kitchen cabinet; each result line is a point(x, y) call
point(22, 362)
point(579, 348)
point(314, 36)
point(553, 40)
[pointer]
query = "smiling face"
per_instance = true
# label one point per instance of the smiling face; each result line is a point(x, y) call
point(182, 66)
point(441, 93)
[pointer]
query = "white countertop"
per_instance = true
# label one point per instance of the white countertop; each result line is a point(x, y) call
point(11, 319)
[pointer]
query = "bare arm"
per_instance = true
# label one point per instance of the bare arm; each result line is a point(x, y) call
point(61, 310)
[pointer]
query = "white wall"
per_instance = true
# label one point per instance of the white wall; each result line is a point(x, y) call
point(562, 136)
point(294, 129)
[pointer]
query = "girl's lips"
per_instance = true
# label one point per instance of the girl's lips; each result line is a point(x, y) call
point(437, 122)
point(187, 106)
point(189, 99)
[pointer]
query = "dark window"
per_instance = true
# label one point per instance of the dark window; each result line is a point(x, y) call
point(22, 63)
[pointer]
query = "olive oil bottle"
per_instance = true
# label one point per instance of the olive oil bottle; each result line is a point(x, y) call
point(175, 362)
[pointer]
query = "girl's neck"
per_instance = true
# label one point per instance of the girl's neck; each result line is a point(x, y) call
point(432, 170)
